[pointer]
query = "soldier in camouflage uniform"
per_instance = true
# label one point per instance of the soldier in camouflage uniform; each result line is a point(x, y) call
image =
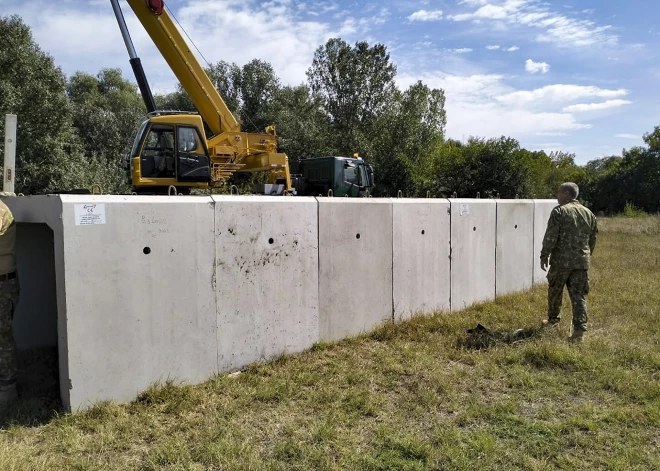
point(569, 241)
point(9, 289)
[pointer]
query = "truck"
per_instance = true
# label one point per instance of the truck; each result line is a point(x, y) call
point(188, 150)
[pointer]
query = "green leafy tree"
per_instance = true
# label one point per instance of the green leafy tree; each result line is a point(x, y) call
point(486, 167)
point(407, 136)
point(631, 179)
point(652, 139)
point(258, 86)
point(49, 154)
point(107, 109)
point(301, 126)
point(355, 86)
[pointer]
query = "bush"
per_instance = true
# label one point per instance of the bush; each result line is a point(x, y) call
point(632, 211)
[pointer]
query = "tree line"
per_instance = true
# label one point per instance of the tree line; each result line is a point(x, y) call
point(75, 131)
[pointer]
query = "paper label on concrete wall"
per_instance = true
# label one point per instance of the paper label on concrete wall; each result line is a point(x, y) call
point(465, 209)
point(89, 214)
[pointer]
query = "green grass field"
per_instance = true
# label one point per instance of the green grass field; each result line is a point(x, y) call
point(417, 396)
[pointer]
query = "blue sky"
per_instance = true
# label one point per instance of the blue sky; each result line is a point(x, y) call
point(578, 76)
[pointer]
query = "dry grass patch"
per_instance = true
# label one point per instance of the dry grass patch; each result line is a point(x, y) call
point(410, 397)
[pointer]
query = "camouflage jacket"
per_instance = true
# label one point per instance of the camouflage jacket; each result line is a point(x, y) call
point(570, 237)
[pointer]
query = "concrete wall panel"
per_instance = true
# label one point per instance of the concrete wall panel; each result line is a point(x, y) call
point(542, 210)
point(266, 277)
point(515, 241)
point(473, 237)
point(421, 251)
point(355, 265)
point(140, 301)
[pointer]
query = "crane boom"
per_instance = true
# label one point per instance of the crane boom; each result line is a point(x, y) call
point(192, 77)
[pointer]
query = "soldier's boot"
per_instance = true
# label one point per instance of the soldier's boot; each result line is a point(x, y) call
point(552, 322)
point(577, 335)
point(8, 395)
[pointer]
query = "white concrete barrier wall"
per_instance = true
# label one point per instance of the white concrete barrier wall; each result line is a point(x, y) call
point(473, 236)
point(140, 302)
point(183, 287)
point(355, 265)
point(542, 210)
point(421, 251)
point(266, 277)
point(515, 241)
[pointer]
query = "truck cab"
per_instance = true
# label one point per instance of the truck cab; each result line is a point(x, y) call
point(345, 176)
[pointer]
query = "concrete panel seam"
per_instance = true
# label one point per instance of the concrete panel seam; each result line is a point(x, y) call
point(392, 266)
point(318, 259)
point(533, 239)
point(497, 209)
point(451, 252)
point(214, 284)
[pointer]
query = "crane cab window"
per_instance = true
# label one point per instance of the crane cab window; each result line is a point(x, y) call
point(189, 141)
point(157, 159)
point(193, 163)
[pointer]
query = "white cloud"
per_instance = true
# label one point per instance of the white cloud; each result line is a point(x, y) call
point(478, 99)
point(627, 136)
point(595, 106)
point(512, 49)
point(493, 47)
point(536, 67)
point(461, 50)
point(558, 94)
point(557, 28)
point(423, 15)
point(550, 134)
point(88, 38)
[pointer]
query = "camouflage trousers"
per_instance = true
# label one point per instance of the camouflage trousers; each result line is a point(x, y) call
point(9, 291)
point(577, 282)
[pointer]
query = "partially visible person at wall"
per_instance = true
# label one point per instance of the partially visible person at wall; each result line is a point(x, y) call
point(9, 291)
point(569, 241)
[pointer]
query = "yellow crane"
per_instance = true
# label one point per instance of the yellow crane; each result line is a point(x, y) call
point(171, 148)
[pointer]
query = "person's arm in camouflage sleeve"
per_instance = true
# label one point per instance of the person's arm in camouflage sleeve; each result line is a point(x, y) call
point(592, 237)
point(550, 238)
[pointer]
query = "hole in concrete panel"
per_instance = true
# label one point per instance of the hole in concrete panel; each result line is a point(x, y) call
point(146, 250)
point(516, 226)
point(35, 323)
point(423, 232)
point(357, 236)
point(474, 228)
point(271, 241)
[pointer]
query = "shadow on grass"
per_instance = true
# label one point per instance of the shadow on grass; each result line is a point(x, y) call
point(38, 388)
point(479, 337)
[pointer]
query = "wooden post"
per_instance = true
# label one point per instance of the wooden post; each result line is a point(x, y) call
point(10, 154)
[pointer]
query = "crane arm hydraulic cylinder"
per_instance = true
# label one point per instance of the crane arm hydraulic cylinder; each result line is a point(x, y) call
point(166, 36)
point(136, 65)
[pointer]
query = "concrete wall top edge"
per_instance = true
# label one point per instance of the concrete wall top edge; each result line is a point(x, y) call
point(545, 201)
point(262, 199)
point(514, 201)
point(420, 201)
point(133, 199)
point(343, 200)
point(472, 200)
